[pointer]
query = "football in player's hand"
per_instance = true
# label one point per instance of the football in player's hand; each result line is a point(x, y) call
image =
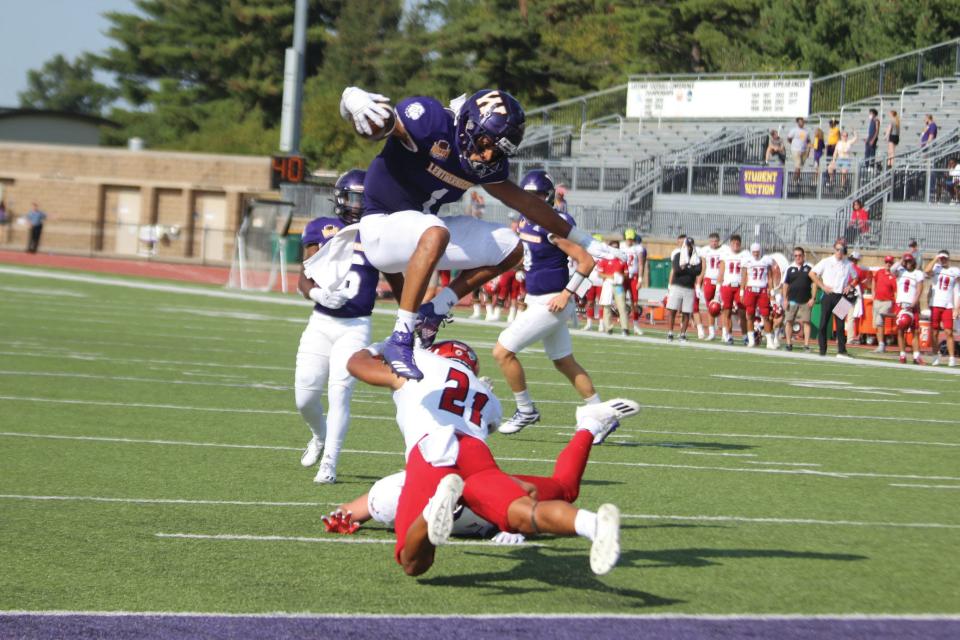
point(379, 132)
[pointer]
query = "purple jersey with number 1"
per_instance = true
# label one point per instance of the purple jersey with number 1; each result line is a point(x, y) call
point(360, 284)
point(427, 176)
point(544, 262)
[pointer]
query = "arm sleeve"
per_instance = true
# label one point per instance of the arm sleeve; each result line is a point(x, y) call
point(423, 118)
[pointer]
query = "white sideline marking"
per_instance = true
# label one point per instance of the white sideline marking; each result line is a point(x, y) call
point(46, 293)
point(928, 486)
point(94, 357)
point(829, 474)
point(335, 540)
point(238, 503)
point(760, 617)
point(843, 523)
point(774, 436)
point(300, 302)
point(819, 384)
point(290, 412)
point(785, 464)
point(94, 376)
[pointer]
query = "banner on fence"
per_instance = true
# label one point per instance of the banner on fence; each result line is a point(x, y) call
point(761, 182)
point(714, 99)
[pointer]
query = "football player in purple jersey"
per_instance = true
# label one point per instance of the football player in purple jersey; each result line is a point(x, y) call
point(338, 327)
point(550, 306)
point(433, 154)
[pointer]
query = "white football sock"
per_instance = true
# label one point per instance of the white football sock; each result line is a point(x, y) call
point(405, 321)
point(524, 403)
point(585, 524)
point(594, 399)
point(444, 301)
point(476, 308)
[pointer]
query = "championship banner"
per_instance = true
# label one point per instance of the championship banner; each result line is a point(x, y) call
point(761, 182)
point(787, 98)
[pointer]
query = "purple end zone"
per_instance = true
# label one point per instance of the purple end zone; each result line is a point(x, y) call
point(174, 627)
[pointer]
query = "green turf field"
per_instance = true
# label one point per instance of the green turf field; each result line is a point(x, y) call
point(744, 489)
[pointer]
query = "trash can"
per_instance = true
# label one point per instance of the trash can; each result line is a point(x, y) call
point(293, 252)
point(659, 273)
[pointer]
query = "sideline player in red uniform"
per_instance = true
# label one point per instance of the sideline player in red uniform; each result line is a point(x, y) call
point(445, 419)
point(909, 287)
point(758, 272)
point(731, 267)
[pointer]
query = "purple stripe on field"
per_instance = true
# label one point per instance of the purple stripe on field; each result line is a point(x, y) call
point(148, 627)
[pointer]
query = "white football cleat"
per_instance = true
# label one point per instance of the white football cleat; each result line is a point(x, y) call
point(326, 474)
point(439, 511)
point(312, 453)
point(605, 550)
point(603, 418)
point(519, 420)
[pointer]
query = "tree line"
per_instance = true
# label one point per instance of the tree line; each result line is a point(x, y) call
point(208, 74)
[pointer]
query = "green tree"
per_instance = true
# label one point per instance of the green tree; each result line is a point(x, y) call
point(62, 85)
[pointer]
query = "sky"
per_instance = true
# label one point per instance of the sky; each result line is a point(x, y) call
point(34, 31)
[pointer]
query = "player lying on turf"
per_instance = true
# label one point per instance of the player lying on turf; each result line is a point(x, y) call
point(550, 306)
point(380, 503)
point(431, 157)
point(445, 419)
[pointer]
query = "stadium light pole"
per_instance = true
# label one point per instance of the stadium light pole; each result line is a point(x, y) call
point(293, 82)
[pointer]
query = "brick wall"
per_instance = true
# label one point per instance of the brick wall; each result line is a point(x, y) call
point(77, 186)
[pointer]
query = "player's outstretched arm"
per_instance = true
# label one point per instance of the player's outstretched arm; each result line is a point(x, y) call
point(358, 507)
point(530, 206)
point(367, 365)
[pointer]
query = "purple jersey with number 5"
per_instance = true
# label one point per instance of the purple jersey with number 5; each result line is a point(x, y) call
point(544, 262)
point(360, 285)
point(427, 176)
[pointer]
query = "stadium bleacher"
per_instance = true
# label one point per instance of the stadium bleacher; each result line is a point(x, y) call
point(659, 175)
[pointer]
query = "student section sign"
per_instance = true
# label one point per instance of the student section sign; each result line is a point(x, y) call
point(761, 182)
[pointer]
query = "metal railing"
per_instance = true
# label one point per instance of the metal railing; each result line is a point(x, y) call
point(888, 76)
point(576, 111)
point(592, 176)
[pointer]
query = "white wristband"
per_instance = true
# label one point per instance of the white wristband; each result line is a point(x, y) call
point(575, 281)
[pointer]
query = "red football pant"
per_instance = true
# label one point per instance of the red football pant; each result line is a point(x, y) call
point(591, 302)
point(564, 484)
point(941, 318)
point(755, 301)
point(729, 296)
point(488, 491)
point(635, 298)
point(709, 289)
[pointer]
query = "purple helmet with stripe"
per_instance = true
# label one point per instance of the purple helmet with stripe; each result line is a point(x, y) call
point(539, 181)
point(348, 196)
point(489, 119)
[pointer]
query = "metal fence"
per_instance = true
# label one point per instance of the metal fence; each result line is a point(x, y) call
point(886, 77)
point(584, 177)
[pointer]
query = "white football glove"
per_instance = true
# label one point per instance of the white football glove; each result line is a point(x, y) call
point(521, 276)
point(329, 299)
point(364, 108)
point(487, 382)
point(505, 537)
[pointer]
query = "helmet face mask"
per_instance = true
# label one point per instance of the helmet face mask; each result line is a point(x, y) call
point(348, 196)
point(489, 121)
point(458, 351)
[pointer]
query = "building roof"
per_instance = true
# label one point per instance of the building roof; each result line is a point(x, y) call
point(13, 112)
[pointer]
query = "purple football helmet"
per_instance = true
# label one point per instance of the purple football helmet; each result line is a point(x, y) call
point(348, 196)
point(539, 181)
point(489, 119)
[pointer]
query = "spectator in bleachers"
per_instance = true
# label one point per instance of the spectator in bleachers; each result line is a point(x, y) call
point(873, 135)
point(893, 137)
point(833, 137)
point(775, 148)
point(560, 198)
point(859, 223)
point(842, 158)
point(884, 289)
point(914, 250)
point(819, 145)
point(799, 140)
point(929, 131)
point(953, 180)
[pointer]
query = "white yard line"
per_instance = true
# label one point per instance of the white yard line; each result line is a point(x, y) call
point(774, 436)
point(784, 464)
point(928, 486)
point(762, 617)
point(654, 465)
point(711, 453)
point(64, 276)
point(245, 537)
point(253, 503)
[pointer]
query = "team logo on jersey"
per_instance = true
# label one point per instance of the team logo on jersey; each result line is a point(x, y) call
point(330, 230)
point(414, 110)
point(491, 103)
point(440, 150)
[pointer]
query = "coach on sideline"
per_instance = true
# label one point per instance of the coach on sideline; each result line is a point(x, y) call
point(836, 276)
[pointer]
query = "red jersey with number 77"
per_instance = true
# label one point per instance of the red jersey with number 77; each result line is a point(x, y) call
point(449, 395)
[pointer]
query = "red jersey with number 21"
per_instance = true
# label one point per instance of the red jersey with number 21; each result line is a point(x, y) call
point(449, 395)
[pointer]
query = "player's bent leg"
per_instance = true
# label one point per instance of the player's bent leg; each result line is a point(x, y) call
point(568, 470)
point(413, 549)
